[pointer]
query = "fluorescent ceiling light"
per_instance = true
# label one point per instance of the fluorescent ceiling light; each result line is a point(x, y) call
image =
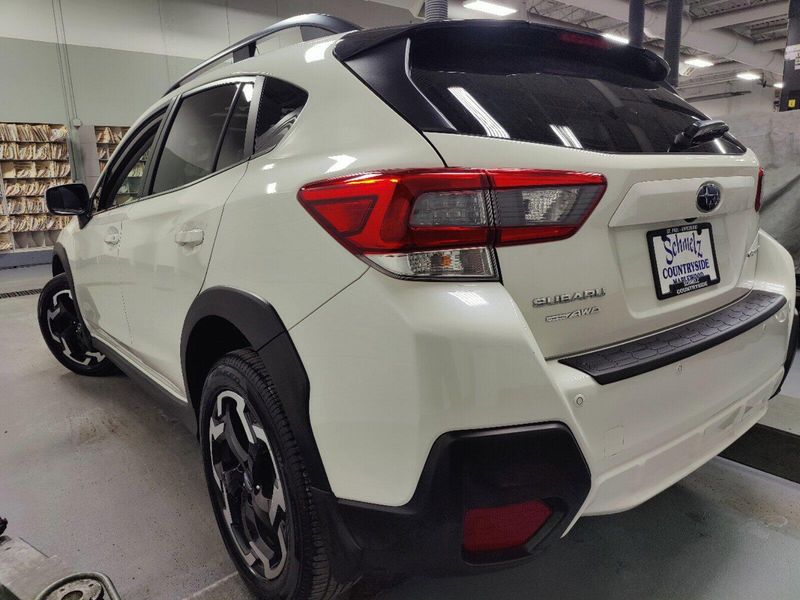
point(778, 84)
point(700, 63)
point(616, 38)
point(748, 75)
point(490, 7)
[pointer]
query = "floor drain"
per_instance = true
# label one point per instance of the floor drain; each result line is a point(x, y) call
point(20, 293)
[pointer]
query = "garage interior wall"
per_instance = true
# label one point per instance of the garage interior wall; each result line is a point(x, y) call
point(719, 105)
point(123, 55)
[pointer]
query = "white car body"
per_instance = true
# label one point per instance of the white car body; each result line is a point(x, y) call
point(394, 364)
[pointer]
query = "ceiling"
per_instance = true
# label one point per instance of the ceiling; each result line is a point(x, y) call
point(761, 22)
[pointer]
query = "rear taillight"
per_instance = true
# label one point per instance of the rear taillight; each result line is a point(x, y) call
point(759, 187)
point(435, 224)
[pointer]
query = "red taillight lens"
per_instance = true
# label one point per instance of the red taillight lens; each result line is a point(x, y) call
point(443, 223)
point(540, 206)
point(759, 188)
point(504, 527)
point(382, 205)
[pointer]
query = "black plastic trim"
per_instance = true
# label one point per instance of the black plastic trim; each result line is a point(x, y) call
point(260, 324)
point(653, 352)
point(388, 77)
point(465, 469)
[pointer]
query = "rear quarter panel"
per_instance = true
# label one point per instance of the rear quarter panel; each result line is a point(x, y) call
point(268, 244)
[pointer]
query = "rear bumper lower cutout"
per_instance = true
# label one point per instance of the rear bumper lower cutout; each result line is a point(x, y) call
point(468, 469)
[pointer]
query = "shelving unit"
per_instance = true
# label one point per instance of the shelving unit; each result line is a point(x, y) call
point(107, 137)
point(33, 157)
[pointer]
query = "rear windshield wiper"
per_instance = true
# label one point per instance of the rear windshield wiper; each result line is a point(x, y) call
point(699, 132)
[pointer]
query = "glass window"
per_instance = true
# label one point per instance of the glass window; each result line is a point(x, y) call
point(531, 83)
point(193, 137)
point(232, 149)
point(564, 110)
point(281, 103)
point(126, 183)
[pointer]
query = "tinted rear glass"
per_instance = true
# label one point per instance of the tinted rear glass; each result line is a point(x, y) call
point(539, 84)
point(562, 111)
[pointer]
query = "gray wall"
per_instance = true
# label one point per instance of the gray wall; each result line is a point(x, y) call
point(111, 87)
point(123, 54)
point(111, 59)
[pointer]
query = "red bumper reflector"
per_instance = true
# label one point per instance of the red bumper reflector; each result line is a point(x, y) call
point(487, 529)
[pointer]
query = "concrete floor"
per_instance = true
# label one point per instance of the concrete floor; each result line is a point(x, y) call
point(92, 471)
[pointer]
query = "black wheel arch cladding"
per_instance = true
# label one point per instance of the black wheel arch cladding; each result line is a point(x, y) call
point(263, 330)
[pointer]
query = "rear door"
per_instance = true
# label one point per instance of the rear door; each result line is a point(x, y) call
point(655, 250)
point(169, 235)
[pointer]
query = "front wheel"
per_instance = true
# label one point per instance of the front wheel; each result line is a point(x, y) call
point(258, 485)
point(63, 332)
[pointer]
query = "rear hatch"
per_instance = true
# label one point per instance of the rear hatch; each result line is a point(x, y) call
point(650, 254)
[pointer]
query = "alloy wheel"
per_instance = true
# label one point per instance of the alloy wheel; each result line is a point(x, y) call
point(66, 330)
point(249, 485)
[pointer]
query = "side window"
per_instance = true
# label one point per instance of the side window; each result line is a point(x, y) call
point(232, 149)
point(192, 140)
point(126, 182)
point(281, 103)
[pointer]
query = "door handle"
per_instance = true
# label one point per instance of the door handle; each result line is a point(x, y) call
point(189, 237)
point(112, 239)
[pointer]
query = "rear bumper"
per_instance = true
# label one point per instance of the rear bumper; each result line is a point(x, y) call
point(395, 366)
point(634, 481)
point(468, 469)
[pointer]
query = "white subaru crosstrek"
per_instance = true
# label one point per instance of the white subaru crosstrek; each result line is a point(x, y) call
point(428, 293)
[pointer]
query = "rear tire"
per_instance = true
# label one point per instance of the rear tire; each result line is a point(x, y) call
point(258, 485)
point(63, 331)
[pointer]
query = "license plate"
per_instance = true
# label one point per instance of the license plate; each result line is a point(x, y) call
point(683, 259)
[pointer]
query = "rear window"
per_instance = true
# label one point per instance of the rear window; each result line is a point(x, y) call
point(542, 85)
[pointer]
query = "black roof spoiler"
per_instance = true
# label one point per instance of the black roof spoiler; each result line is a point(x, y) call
point(365, 40)
point(246, 47)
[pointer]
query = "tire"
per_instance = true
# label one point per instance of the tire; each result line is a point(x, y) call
point(63, 332)
point(274, 538)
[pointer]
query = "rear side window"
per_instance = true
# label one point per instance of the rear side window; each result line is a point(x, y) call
point(191, 143)
point(281, 103)
point(232, 149)
point(539, 84)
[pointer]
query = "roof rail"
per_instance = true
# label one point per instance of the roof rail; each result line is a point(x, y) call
point(246, 47)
